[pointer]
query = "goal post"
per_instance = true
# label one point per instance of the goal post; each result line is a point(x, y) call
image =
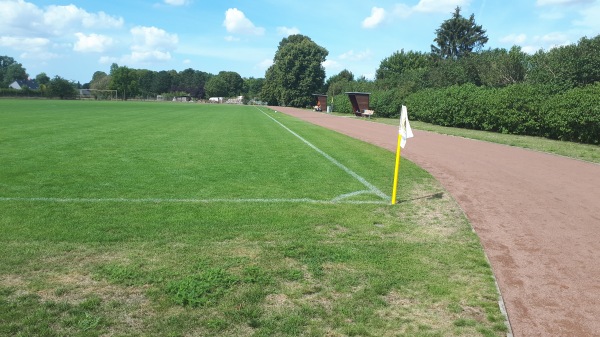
point(98, 94)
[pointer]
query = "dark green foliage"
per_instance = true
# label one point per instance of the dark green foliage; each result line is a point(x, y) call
point(568, 66)
point(61, 88)
point(522, 109)
point(9, 92)
point(401, 67)
point(297, 72)
point(458, 37)
point(225, 84)
point(125, 80)
point(574, 115)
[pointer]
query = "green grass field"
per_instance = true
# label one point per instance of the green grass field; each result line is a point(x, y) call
point(173, 219)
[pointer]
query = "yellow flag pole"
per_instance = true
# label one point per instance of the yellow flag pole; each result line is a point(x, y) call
point(396, 169)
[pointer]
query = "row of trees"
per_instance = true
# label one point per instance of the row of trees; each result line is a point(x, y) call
point(131, 83)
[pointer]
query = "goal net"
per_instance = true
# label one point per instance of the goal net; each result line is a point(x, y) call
point(98, 94)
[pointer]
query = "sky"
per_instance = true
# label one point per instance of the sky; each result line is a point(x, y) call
point(73, 39)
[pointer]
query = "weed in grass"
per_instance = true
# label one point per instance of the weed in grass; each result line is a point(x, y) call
point(203, 289)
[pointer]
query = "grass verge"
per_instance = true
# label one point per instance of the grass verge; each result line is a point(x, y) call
point(585, 152)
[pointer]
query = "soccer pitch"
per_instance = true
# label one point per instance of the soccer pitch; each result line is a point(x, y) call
point(154, 219)
point(179, 153)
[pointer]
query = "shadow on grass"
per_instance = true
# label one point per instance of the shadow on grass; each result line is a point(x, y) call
point(438, 195)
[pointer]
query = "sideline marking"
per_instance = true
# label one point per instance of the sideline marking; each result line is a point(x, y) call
point(337, 200)
point(362, 180)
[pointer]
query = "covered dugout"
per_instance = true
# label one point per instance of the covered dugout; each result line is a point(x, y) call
point(360, 103)
point(321, 102)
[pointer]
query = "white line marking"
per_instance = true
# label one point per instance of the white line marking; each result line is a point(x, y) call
point(349, 195)
point(192, 201)
point(362, 180)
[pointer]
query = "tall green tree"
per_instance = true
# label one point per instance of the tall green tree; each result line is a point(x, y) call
point(216, 86)
point(567, 67)
point(458, 37)
point(61, 88)
point(403, 69)
point(162, 82)
point(42, 78)
point(10, 71)
point(124, 80)
point(297, 72)
point(253, 87)
point(499, 67)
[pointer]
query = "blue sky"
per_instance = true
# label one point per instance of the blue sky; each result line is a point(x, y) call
point(73, 39)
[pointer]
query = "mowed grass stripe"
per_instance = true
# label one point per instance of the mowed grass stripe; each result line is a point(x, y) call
point(362, 180)
point(181, 151)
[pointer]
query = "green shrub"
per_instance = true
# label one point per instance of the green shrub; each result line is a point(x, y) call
point(522, 109)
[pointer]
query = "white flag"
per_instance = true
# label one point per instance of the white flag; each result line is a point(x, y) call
point(405, 130)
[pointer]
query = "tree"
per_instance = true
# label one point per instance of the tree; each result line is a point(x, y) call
point(340, 80)
point(61, 88)
point(297, 72)
point(162, 82)
point(10, 71)
point(458, 37)
point(253, 87)
point(567, 67)
point(216, 86)
point(225, 84)
point(100, 81)
point(499, 68)
point(402, 69)
point(42, 79)
point(192, 82)
point(124, 80)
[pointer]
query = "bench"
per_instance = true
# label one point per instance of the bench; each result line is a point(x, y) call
point(364, 113)
point(368, 113)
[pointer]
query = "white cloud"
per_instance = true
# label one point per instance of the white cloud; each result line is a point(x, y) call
point(108, 60)
point(562, 2)
point(286, 31)
point(375, 19)
point(177, 2)
point(439, 6)
point(149, 56)
point(92, 43)
point(64, 19)
point(152, 38)
point(514, 39)
point(402, 10)
point(265, 64)
point(237, 23)
point(19, 18)
point(33, 44)
point(555, 39)
point(353, 56)
point(332, 66)
point(151, 44)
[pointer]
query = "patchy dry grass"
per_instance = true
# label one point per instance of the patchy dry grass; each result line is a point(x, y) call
point(109, 268)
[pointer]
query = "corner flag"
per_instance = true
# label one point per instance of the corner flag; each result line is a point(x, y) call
point(404, 133)
point(405, 130)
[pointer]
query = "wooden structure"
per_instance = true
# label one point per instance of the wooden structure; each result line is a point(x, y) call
point(321, 103)
point(359, 101)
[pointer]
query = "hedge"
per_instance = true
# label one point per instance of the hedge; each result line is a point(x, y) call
point(522, 109)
